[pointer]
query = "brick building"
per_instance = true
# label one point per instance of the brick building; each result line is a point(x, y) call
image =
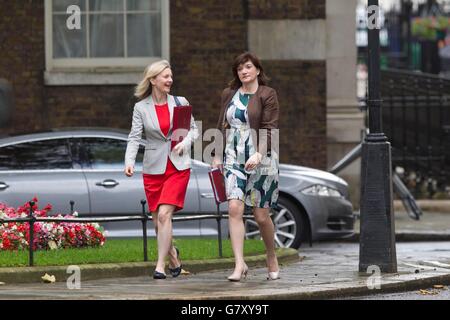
point(57, 85)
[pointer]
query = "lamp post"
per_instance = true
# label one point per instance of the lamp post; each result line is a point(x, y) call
point(377, 234)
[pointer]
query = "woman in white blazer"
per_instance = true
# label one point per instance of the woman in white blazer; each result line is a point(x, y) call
point(166, 172)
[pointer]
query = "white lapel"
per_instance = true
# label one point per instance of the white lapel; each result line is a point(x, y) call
point(172, 104)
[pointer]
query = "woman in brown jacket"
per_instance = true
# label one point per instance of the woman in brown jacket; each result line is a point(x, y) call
point(248, 122)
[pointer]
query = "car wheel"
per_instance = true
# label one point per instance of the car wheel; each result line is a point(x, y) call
point(290, 225)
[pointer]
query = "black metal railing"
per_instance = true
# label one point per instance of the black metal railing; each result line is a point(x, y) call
point(416, 119)
point(143, 217)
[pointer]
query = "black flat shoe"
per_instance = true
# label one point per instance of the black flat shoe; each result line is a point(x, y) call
point(159, 275)
point(175, 272)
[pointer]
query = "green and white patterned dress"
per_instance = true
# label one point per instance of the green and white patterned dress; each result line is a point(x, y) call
point(258, 188)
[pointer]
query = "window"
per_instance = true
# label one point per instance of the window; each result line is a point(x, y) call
point(8, 159)
point(106, 154)
point(114, 35)
point(38, 155)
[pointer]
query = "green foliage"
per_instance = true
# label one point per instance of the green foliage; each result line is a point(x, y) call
point(430, 28)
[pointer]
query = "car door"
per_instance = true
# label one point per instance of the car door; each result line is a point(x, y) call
point(112, 192)
point(42, 169)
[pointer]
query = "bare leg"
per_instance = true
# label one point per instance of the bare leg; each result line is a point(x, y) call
point(172, 253)
point(267, 230)
point(237, 234)
point(164, 236)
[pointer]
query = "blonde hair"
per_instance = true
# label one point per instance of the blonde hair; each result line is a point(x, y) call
point(144, 88)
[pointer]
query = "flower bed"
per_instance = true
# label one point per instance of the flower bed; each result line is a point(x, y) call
point(47, 235)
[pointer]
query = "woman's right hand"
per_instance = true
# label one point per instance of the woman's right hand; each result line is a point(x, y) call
point(129, 171)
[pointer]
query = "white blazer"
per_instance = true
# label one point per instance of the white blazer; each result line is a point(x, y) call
point(157, 146)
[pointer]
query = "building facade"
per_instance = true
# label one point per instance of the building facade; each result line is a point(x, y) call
point(63, 77)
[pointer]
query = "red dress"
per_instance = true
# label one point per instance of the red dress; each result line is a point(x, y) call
point(169, 187)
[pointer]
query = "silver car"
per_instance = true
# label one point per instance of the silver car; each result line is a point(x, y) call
point(86, 166)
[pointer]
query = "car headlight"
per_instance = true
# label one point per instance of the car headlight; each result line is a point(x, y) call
point(322, 191)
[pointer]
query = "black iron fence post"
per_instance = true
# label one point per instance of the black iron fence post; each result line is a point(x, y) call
point(72, 203)
point(31, 222)
point(219, 229)
point(377, 235)
point(144, 228)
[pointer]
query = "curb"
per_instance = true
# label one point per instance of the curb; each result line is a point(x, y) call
point(410, 236)
point(132, 269)
point(352, 291)
point(408, 285)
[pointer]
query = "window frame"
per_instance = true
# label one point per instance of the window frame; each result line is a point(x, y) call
point(90, 65)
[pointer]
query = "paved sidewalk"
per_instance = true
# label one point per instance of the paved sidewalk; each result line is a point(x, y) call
point(328, 270)
point(16, 275)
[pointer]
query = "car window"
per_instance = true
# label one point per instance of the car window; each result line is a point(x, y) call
point(7, 159)
point(36, 155)
point(107, 153)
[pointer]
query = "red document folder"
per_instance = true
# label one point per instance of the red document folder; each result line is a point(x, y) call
point(181, 120)
point(218, 185)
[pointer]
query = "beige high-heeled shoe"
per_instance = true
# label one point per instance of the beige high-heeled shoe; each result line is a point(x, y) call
point(273, 275)
point(239, 277)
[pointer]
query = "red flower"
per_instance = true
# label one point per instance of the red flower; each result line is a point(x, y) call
point(15, 236)
point(6, 243)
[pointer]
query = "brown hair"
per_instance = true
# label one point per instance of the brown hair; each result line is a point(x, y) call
point(241, 59)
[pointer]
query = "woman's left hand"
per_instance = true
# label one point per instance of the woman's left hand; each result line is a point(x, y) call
point(179, 149)
point(253, 161)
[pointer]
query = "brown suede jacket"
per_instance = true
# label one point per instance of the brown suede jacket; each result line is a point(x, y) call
point(263, 113)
